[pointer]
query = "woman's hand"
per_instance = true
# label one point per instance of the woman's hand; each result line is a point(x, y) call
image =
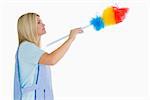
point(74, 32)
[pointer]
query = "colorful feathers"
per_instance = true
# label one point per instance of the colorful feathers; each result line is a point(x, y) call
point(111, 15)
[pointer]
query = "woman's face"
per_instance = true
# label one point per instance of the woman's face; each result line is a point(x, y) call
point(40, 26)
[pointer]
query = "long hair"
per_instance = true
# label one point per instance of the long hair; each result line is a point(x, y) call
point(27, 28)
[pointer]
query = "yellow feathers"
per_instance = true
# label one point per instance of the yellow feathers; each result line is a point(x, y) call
point(109, 16)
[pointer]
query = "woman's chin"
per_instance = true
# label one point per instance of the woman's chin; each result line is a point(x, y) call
point(44, 32)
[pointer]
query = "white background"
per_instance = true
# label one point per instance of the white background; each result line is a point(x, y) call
point(109, 64)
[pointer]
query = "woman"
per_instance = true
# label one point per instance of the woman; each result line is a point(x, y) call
point(32, 75)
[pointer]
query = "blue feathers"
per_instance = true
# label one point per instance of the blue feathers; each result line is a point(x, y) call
point(97, 23)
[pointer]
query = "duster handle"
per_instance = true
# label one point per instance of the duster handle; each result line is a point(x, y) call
point(55, 41)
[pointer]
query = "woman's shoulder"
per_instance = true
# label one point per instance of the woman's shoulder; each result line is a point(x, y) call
point(26, 45)
point(29, 52)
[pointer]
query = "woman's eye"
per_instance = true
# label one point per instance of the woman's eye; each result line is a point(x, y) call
point(39, 22)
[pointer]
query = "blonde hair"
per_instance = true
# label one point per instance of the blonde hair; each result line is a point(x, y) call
point(27, 29)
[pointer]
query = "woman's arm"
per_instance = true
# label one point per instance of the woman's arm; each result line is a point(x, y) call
point(55, 56)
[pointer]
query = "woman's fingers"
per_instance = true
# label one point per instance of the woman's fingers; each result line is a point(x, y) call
point(74, 32)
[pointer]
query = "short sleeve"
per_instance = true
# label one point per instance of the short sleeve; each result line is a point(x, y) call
point(30, 53)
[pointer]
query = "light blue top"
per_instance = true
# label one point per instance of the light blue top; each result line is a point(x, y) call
point(29, 55)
